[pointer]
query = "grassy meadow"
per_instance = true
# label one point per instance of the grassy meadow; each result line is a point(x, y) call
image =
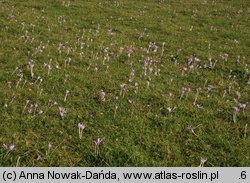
point(125, 83)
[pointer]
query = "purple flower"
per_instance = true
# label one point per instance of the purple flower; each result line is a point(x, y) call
point(130, 51)
point(103, 96)
point(198, 90)
point(81, 127)
point(62, 111)
point(11, 147)
point(110, 32)
point(38, 158)
point(66, 94)
point(18, 82)
point(236, 109)
point(242, 106)
point(30, 64)
point(184, 69)
point(97, 143)
point(202, 161)
point(122, 89)
point(60, 48)
point(190, 59)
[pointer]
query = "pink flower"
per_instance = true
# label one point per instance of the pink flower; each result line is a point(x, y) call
point(198, 90)
point(11, 147)
point(110, 32)
point(81, 127)
point(61, 47)
point(103, 96)
point(30, 66)
point(242, 106)
point(202, 161)
point(38, 158)
point(184, 69)
point(62, 111)
point(130, 51)
point(122, 89)
point(98, 141)
point(236, 109)
point(190, 59)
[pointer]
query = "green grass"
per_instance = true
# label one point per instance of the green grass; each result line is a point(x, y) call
point(143, 133)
